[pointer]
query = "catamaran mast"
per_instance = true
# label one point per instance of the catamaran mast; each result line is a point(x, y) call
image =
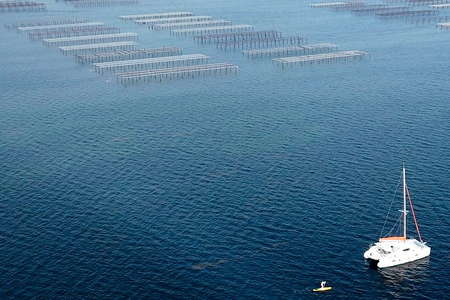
point(404, 202)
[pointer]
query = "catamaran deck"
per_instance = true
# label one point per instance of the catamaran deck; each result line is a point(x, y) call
point(167, 61)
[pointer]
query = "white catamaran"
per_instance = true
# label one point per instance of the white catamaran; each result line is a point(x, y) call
point(396, 250)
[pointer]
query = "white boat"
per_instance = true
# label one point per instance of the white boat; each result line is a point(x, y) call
point(396, 250)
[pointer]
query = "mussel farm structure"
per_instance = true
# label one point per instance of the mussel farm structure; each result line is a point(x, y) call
point(156, 16)
point(177, 73)
point(155, 62)
point(184, 25)
point(214, 29)
point(128, 54)
point(42, 22)
point(445, 25)
point(292, 50)
point(46, 28)
point(88, 30)
point(22, 6)
point(87, 39)
point(237, 36)
point(76, 49)
point(173, 20)
point(323, 57)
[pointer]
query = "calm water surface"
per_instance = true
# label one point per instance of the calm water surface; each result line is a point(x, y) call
point(254, 186)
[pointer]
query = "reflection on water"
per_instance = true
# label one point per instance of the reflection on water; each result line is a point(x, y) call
point(416, 271)
point(404, 279)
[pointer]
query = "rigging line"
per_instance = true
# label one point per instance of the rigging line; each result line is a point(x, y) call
point(413, 213)
point(398, 228)
point(390, 207)
point(396, 225)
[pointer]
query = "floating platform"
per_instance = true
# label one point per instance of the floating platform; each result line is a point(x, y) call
point(323, 57)
point(293, 50)
point(408, 13)
point(177, 73)
point(89, 30)
point(445, 25)
point(250, 39)
point(339, 4)
point(156, 62)
point(128, 54)
point(88, 39)
point(378, 9)
point(328, 4)
point(170, 26)
point(215, 29)
point(173, 20)
point(157, 16)
point(368, 8)
point(96, 47)
point(425, 2)
point(100, 3)
point(445, 5)
point(426, 19)
point(259, 42)
point(43, 22)
point(237, 36)
point(44, 28)
point(22, 6)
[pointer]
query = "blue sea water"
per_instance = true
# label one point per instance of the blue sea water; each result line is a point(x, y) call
point(253, 186)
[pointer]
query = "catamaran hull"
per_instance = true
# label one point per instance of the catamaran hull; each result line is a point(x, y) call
point(396, 262)
point(376, 263)
point(372, 263)
point(408, 253)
